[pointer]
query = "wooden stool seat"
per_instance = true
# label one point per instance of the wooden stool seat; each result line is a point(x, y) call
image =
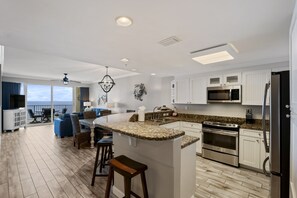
point(128, 168)
point(104, 146)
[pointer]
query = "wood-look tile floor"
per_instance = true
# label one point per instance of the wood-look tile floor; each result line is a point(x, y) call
point(35, 163)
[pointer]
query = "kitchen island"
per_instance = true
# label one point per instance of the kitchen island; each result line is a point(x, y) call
point(169, 155)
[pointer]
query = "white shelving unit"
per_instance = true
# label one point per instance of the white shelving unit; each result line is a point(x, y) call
point(14, 119)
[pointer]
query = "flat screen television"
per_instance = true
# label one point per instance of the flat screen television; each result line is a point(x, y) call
point(17, 101)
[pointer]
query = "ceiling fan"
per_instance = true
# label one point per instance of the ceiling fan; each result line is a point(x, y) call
point(66, 80)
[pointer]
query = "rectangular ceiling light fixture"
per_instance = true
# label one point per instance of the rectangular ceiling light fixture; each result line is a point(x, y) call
point(215, 54)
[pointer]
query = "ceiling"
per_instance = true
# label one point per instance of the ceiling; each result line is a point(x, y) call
point(84, 34)
point(24, 63)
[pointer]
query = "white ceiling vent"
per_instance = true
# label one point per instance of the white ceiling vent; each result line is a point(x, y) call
point(169, 41)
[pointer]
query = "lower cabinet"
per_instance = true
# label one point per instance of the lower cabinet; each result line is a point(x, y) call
point(251, 149)
point(14, 119)
point(192, 129)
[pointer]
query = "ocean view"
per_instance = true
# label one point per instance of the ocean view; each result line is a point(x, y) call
point(37, 106)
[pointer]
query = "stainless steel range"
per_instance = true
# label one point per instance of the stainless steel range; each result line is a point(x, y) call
point(220, 142)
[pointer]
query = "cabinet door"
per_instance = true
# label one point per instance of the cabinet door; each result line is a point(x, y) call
point(232, 79)
point(253, 84)
point(215, 81)
point(198, 90)
point(182, 91)
point(249, 151)
point(198, 143)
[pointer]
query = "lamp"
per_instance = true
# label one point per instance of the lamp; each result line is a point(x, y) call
point(87, 104)
point(107, 82)
point(65, 79)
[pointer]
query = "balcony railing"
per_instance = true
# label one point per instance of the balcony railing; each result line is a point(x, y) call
point(37, 109)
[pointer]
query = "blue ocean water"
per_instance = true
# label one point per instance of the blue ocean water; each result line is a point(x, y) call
point(37, 106)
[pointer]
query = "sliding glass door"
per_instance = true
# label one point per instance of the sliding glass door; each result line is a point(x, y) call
point(62, 99)
point(44, 102)
point(38, 103)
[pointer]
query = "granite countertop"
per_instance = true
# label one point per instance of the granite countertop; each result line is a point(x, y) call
point(257, 125)
point(188, 140)
point(120, 123)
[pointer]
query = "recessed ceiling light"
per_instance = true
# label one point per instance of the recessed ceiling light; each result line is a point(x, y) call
point(215, 54)
point(153, 74)
point(123, 21)
point(125, 60)
point(133, 69)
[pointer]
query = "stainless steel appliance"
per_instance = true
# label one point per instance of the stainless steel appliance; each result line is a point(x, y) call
point(279, 145)
point(220, 142)
point(224, 94)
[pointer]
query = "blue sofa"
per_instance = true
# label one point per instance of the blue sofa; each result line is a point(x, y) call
point(63, 126)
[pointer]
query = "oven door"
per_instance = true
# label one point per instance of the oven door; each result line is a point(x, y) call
point(220, 140)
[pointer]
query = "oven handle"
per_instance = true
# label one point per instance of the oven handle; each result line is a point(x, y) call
point(231, 133)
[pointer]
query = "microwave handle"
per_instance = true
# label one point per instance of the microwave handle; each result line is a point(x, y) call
point(267, 85)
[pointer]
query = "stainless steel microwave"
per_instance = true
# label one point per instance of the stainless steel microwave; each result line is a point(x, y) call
point(224, 94)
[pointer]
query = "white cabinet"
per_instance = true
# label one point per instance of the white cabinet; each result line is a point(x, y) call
point(198, 88)
point(253, 84)
point(189, 91)
point(249, 152)
point(251, 149)
point(192, 129)
point(226, 79)
point(14, 119)
point(182, 91)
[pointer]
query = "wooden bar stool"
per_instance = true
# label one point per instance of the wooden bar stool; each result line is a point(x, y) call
point(128, 168)
point(105, 145)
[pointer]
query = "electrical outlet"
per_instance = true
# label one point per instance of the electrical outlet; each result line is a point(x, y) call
point(186, 107)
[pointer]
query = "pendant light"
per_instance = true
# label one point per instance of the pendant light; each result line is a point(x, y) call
point(107, 82)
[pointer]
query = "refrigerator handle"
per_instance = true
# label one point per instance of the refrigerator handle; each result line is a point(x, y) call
point(267, 85)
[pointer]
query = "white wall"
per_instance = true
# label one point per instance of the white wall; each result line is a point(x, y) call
point(158, 93)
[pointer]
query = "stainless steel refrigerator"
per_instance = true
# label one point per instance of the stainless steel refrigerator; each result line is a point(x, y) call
point(279, 138)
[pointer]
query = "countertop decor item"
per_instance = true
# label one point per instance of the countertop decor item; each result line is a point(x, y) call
point(139, 91)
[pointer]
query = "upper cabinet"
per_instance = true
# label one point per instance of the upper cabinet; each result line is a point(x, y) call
point(198, 90)
point(227, 79)
point(253, 84)
point(194, 90)
point(189, 91)
point(182, 92)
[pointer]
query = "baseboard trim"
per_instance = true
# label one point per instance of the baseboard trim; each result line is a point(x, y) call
point(293, 190)
point(117, 192)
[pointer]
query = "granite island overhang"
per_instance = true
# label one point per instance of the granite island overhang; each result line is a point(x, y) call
point(169, 155)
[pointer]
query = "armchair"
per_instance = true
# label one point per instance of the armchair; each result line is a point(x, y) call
point(63, 126)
